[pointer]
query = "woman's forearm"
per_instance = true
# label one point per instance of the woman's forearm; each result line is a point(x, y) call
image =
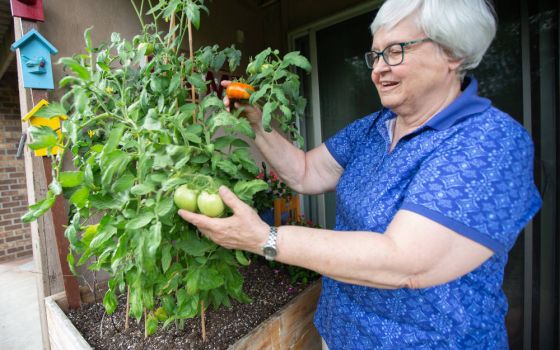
point(362, 258)
point(312, 172)
point(284, 157)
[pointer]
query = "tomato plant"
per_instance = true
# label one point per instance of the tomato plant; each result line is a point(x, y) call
point(140, 133)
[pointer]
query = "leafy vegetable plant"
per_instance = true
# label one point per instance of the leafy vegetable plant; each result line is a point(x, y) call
point(142, 123)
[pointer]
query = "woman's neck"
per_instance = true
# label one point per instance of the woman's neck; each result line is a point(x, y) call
point(412, 118)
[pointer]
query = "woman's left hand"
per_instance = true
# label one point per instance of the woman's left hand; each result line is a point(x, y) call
point(243, 230)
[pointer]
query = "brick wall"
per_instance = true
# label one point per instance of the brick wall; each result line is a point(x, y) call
point(15, 237)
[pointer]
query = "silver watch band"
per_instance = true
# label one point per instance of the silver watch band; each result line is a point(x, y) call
point(270, 249)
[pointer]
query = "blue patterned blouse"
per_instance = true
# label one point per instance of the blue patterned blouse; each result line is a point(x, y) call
point(470, 168)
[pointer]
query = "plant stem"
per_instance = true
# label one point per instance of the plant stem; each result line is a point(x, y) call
point(127, 307)
point(153, 15)
point(139, 12)
point(203, 321)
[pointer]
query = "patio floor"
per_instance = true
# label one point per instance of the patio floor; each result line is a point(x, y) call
point(20, 327)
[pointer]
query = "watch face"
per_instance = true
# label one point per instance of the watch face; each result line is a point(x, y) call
point(269, 252)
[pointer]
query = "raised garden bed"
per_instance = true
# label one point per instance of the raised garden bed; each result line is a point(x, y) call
point(280, 317)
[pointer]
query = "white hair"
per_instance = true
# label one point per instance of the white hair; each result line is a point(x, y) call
point(463, 28)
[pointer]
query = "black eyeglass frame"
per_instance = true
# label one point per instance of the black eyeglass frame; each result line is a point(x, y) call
point(382, 53)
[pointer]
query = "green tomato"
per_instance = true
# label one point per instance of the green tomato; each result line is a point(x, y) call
point(265, 67)
point(148, 47)
point(185, 198)
point(251, 69)
point(210, 204)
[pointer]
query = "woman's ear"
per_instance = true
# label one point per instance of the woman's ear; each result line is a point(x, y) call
point(454, 63)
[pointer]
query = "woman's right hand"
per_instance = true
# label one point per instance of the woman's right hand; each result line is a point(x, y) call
point(252, 113)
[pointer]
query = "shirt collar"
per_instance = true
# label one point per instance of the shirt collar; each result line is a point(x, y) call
point(468, 103)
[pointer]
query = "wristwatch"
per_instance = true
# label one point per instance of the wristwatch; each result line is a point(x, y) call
point(270, 249)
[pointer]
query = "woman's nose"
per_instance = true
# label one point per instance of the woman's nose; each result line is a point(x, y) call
point(380, 66)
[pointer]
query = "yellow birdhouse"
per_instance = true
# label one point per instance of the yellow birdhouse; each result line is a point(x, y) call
point(53, 123)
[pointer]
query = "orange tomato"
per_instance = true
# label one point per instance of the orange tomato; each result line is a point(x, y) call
point(239, 91)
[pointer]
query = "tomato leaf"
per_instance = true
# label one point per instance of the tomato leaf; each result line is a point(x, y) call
point(123, 183)
point(295, 59)
point(53, 109)
point(165, 206)
point(245, 190)
point(42, 137)
point(110, 301)
point(151, 121)
point(269, 107)
point(198, 81)
point(114, 138)
point(74, 65)
point(104, 234)
point(80, 197)
point(142, 189)
point(39, 208)
point(153, 240)
point(71, 178)
point(241, 258)
point(140, 221)
point(151, 324)
point(193, 245)
point(166, 258)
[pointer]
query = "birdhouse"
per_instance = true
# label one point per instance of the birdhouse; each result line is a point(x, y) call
point(28, 9)
point(35, 56)
point(53, 123)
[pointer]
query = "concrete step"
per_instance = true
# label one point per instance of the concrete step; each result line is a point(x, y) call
point(20, 327)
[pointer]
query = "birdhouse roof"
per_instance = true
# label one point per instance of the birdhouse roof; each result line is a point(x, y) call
point(35, 109)
point(33, 34)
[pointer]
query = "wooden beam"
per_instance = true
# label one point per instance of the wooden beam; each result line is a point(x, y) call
point(50, 258)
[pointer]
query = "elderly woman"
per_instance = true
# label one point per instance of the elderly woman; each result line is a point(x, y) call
point(432, 192)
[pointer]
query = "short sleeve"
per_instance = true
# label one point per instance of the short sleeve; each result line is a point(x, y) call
point(479, 184)
point(342, 144)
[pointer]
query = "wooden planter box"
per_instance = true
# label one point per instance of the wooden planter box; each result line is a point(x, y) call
point(289, 328)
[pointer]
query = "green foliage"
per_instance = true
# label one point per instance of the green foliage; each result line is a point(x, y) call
point(134, 135)
point(277, 88)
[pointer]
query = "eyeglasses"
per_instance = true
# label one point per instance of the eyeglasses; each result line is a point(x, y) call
point(393, 54)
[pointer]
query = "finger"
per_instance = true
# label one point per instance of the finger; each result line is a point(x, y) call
point(231, 200)
point(226, 101)
point(195, 219)
point(225, 83)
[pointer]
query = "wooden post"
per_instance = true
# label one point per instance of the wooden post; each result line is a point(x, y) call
point(49, 264)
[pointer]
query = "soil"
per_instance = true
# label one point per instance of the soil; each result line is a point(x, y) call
point(269, 289)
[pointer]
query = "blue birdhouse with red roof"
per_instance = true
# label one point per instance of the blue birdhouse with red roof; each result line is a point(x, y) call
point(35, 56)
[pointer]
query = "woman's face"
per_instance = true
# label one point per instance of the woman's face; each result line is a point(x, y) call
point(425, 76)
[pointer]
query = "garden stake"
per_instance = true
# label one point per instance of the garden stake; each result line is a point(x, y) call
point(145, 324)
point(203, 322)
point(127, 307)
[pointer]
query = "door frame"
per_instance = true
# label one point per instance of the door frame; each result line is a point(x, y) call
point(309, 31)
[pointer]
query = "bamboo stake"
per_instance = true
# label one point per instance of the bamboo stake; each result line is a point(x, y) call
point(191, 55)
point(127, 307)
point(145, 324)
point(202, 321)
point(171, 29)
